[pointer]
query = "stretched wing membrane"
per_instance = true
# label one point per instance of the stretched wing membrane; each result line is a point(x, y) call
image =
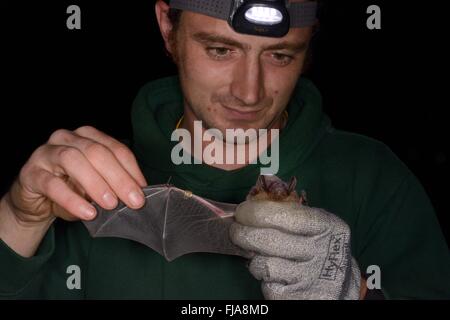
point(172, 222)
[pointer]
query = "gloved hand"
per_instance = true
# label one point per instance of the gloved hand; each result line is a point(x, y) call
point(300, 252)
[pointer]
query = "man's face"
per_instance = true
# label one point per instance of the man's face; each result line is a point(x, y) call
point(231, 80)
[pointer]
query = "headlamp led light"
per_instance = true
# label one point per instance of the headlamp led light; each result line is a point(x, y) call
point(264, 15)
point(269, 18)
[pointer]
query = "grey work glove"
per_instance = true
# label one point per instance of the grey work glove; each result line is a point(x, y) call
point(300, 252)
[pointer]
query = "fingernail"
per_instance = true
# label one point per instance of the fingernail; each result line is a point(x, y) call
point(110, 200)
point(89, 212)
point(136, 198)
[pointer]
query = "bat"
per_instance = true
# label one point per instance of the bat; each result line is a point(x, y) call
point(175, 222)
point(272, 188)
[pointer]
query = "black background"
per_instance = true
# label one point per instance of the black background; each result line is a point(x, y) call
point(389, 84)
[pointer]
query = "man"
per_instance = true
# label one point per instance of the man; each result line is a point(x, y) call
point(226, 80)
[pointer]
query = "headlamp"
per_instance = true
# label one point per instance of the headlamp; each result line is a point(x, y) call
point(268, 18)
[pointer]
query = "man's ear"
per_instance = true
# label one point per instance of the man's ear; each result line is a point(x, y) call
point(165, 26)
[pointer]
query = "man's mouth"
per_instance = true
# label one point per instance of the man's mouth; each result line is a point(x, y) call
point(242, 113)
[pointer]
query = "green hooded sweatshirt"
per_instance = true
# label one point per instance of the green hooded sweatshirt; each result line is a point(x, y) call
point(357, 178)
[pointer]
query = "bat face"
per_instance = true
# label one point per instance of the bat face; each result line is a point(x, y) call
point(274, 189)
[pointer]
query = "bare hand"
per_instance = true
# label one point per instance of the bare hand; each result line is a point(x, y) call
point(71, 169)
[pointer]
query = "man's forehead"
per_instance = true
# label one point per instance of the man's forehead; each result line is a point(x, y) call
point(195, 24)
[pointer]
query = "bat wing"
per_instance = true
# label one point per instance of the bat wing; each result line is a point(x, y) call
point(143, 225)
point(172, 222)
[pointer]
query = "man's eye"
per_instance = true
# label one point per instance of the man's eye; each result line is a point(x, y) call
point(282, 59)
point(218, 52)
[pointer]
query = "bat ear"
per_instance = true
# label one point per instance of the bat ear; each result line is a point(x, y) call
point(292, 184)
point(262, 182)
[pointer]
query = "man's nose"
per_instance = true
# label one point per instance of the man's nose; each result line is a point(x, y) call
point(248, 85)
